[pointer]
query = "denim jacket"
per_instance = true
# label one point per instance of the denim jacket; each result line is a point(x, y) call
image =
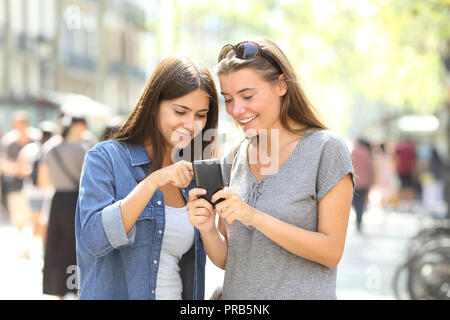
point(111, 263)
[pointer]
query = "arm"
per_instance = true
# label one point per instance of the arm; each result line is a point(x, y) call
point(134, 203)
point(23, 163)
point(324, 246)
point(179, 174)
point(44, 180)
point(202, 216)
point(216, 247)
point(327, 244)
point(101, 228)
point(107, 222)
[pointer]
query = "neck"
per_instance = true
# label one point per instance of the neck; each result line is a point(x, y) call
point(167, 158)
point(274, 139)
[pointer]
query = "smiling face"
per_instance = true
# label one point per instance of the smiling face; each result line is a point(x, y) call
point(181, 119)
point(252, 101)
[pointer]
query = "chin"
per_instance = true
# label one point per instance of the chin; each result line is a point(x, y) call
point(177, 141)
point(252, 132)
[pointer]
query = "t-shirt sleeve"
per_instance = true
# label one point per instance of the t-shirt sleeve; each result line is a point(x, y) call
point(335, 164)
point(227, 161)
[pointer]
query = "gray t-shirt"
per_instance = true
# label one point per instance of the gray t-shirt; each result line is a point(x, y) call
point(65, 174)
point(257, 267)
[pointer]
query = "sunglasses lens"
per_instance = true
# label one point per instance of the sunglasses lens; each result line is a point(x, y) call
point(246, 50)
point(223, 53)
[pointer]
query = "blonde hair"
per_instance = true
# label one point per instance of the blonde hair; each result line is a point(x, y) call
point(294, 105)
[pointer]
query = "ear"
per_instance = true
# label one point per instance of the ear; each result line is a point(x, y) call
point(282, 85)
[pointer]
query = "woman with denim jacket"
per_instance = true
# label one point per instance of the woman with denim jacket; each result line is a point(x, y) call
point(134, 240)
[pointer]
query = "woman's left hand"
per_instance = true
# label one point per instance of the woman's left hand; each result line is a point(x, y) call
point(233, 207)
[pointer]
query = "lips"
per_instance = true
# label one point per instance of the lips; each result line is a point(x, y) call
point(184, 134)
point(246, 121)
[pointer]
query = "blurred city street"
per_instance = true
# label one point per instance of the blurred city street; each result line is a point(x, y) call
point(20, 277)
point(365, 271)
point(370, 259)
point(76, 73)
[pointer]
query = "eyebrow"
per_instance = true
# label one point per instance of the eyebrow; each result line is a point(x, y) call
point(242, 90)
point(187, 108)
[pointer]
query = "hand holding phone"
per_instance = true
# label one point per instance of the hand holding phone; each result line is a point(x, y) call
point(208, 176)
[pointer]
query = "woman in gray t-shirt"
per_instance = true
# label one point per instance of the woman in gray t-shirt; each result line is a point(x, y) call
point(284, 217)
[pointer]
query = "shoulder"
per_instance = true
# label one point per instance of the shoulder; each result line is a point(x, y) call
point(327, 141)
point(325, 137)
point(76, 146)
point(109, 146)
point(110, 151)
point(51, 144)
point(8, 138)
point(328, 148)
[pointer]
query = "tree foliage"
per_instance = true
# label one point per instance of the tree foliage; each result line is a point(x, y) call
point(351, 55)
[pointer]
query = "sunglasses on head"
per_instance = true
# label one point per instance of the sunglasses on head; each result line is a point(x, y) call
point(246, 50)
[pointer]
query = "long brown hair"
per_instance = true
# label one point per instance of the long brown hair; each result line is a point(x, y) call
point(174, 77)
point(294, 104)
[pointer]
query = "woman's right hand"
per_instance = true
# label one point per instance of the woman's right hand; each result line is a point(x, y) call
point(201, 213)
point(179, 174)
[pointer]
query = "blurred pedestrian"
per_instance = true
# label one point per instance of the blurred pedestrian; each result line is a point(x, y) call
point(108, 132)
point(405, 160)
point(134, 240)
point(12, 173)
point(385, 182)
point(436, 165)
point(29, 158)
point(112, 127)
point(363, 165)
point(61, 168)
point(432, 183)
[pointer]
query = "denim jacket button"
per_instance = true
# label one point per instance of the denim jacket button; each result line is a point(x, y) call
point(159, 203)
point(155, 261)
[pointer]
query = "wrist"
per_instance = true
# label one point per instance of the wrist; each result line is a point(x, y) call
point(208, 233)
point(151, 181)
point(256, 217)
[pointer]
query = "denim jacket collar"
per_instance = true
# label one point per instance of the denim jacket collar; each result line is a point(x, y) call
point(138, 154)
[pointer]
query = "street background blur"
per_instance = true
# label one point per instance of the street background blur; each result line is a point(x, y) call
point(377, 70)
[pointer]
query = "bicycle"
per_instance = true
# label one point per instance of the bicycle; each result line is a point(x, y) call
point(427, 265)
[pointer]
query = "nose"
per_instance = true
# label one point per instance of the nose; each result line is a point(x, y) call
point(189, 123)
point(237, 108)
point(192, 125)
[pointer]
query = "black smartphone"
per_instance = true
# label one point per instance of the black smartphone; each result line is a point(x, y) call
point(208, 176)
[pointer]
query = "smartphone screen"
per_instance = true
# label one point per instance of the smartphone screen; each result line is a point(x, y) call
point(208, 176)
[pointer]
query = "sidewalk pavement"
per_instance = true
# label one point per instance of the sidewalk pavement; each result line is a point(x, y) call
point(20, 277)
point(371, 258)
point(365, 271)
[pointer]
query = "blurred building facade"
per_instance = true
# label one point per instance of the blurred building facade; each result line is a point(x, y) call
point(99, 48)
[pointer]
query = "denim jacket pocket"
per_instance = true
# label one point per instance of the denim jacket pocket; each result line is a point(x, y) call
point(147, 213)
point(144, 226)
